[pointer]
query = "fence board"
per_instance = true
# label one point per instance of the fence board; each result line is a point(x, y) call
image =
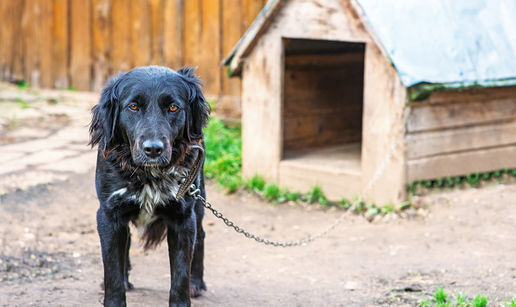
point(45, 46)
point(192, 32)
point(100, 43)
point(120, 36)
point(55, 43)
point(140, 33)
point(157, 25)
point(60, 60)
point(172, 33)
point(80, 44)
point(17, 45)
point(29, 45)
point(210, 39)
point(5, 38)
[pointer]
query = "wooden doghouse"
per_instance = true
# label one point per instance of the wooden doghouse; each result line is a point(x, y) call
point(328, 85)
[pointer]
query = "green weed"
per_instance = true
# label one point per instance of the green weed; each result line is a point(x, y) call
point(512, 303)
point(256, 183)
point(315, 195)
point(461, 300)
point(271, 192)
point(223, 154)
point(424, 303)
point(479, 301)
point(22, 103)
point(439, 295)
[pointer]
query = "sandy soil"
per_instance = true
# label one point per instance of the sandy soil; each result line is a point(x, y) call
point(50, 253)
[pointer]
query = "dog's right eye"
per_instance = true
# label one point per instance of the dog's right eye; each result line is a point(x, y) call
point(133, 106)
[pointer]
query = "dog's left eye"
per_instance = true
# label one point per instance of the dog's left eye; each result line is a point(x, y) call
point(133, 106)
point(173, 108)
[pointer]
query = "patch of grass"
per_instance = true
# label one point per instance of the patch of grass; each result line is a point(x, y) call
point(223, 154)
point(461, 300)
point(71, 88)
point(315, 195)
point(271, 192)
point(21, 84)
point(479, 301)
point(255, 183)
point(22, 103)
point(439, 295)
point(512, 303)
point(472, 180)
point(213, 104)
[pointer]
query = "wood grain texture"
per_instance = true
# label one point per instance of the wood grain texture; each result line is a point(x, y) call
point(250, 9)
point(322, 101)
point(337, 170)
point(80, 44)
point(122, 26)
point(30, 42)
point(46, 40)
point(17, 72)
point(192, 32)
point(477, 110)
point(230, 101)
point(60, 45)
point(433, 143)
point(211, 40)
point(157, 25)
point(262, 135)
point(6, 31)
point(140, 33)
point(459, 164)
point(173, 33)
point(101, 42)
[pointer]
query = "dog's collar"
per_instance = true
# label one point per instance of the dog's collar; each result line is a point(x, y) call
point(187, 181)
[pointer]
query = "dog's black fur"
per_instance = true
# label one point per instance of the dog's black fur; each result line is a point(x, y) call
point(145, 122)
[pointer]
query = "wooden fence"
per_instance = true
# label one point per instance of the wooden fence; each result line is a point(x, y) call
point(79, 43)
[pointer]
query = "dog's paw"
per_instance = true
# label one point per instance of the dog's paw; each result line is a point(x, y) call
point(196, 287)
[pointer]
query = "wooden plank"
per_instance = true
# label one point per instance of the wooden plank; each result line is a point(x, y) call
point(384, 105)
point(326, 60)
point(192, 32)
point(261, 111)
point(458, 164)
point(250, 10)
point(17, 42)
point(80, 44)
point(210, 56)
point(100, 42)
point(60, 38)
point(46, 40)
point(156, 20)
point(479, 110)
point(120, 36)
point(29, 42)
point(173, 33)
point(231, 32)
point(471, 94)
point(140, 33)
point(462, 139)
point(5, 38)
point(337, 170)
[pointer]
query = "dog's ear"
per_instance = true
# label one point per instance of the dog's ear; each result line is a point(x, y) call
point(198, 108)
point(105, 117)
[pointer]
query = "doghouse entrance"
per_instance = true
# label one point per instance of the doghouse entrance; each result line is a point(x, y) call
point(323, 89)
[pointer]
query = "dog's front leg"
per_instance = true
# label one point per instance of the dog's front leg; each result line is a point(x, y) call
point(113, 240)
point(181, 240)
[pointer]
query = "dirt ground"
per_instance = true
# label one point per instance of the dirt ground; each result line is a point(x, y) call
point(50, 252)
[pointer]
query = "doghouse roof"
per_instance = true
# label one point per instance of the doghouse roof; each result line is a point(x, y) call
point(452, 44)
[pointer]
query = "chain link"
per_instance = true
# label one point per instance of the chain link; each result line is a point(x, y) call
point(195, 193)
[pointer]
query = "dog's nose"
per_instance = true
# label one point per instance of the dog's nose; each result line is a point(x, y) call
point(153, 148)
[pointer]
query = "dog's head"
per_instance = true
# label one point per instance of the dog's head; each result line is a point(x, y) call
point(156, 111)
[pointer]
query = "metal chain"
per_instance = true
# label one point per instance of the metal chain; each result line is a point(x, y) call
point(195, 193)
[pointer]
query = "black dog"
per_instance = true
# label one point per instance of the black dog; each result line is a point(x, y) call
point(145, 124)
